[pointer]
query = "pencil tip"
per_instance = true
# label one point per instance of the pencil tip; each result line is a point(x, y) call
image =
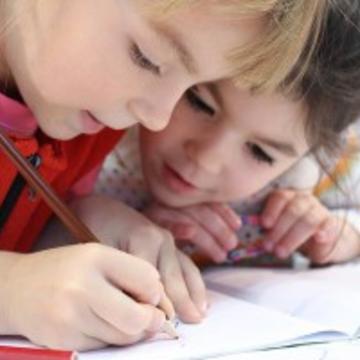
point(170, 330)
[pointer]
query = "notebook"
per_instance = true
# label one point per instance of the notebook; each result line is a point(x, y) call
point(253, 309)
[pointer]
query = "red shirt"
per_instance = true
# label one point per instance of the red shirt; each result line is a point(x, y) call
point(63, 164)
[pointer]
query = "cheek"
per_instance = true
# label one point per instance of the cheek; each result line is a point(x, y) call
point(243, 184)
point(238, 188)
point(152, 142)
point(81, 78)
point(86, 64)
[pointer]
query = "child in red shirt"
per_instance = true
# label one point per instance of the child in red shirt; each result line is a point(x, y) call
point(83, 66)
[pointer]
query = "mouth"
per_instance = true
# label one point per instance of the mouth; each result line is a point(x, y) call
point(90, 124)
point(175, 182)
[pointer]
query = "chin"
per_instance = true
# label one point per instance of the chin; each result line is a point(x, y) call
point(59, 134)
point(172, 200)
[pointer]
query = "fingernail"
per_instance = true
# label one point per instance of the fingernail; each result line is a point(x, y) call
point(203, 308)
point(237, 222)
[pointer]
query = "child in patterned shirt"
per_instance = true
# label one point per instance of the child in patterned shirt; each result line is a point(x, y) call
point(229, 152)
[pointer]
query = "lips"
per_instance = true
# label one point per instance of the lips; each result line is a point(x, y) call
point(90, 124)
point(175, 182)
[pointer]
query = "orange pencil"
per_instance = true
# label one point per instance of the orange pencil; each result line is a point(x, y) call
point(23, 353)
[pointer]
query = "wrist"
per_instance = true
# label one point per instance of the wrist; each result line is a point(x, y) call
point(8, 262)
point(348, 244)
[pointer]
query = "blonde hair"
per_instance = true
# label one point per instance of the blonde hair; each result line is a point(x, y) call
point(287, 42)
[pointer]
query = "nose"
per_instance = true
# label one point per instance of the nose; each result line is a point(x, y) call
point(154, 111)
point(211, 153)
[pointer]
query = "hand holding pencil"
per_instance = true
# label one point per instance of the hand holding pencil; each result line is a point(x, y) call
point(77, 297)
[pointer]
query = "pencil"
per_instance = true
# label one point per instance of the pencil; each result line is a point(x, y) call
point(77, 228)
point(23, 353)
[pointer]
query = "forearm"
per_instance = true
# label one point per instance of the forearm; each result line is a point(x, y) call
point(7, 262)
point(112, 221)
point(88, 209)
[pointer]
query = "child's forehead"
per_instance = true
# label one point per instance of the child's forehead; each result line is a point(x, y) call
point(196, 27)
point(233, 96)
point(268, 113)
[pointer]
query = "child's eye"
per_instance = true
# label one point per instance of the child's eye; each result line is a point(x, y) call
point(197, 103)
point(259, 154)
point(141, 60)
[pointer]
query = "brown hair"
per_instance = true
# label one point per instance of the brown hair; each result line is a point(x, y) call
point(331, 85)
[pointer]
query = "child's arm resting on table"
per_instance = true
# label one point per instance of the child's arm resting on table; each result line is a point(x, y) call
point(298, 220)
point(210, 226)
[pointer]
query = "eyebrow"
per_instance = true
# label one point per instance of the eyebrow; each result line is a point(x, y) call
point(283, 147)
point(178, 45)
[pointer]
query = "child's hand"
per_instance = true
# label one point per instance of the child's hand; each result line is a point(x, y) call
point(211, 227)
point(297, 220)
point(117, 225)
point(339, 243)
point(80, 297)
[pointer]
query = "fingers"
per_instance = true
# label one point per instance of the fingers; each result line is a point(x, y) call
point(145, 243)
point(181, 231)
point(167, 307)
point(135, 276)
point(324, 242)
point(291, 212)
point(195, 234)
point(175, 284)
point(123, 313)
point(275, 205)
point(301, 231)
point(227, 214)
point(208, 245)
point(70, 331)
point(99, 330)
point(214, 225)
point(295, 217)
point(211, 227)
point(195, 283)
point(179, 224)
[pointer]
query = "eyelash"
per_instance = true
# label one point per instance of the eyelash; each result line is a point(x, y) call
point(259, 154)
point(142, 61)
point(198, 104)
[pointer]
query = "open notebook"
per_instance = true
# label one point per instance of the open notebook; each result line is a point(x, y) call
point(254, 309)
point(258, 309)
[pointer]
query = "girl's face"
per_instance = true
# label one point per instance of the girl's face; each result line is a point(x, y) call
point(222, 144)
point(85, 64)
